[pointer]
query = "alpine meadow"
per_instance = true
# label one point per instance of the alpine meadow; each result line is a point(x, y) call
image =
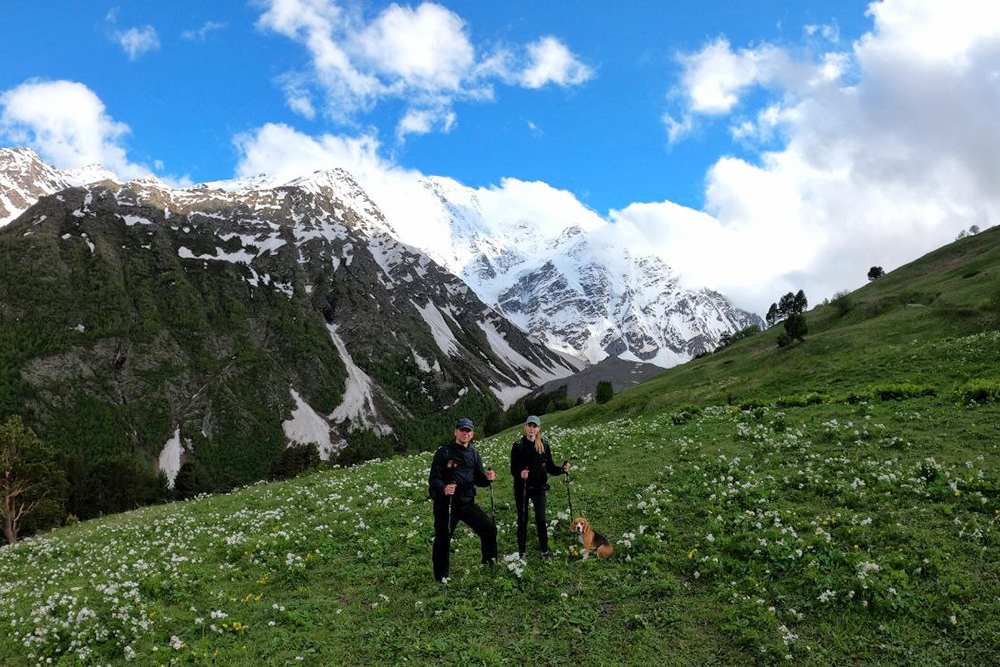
point(441, 333)
point(833, 501)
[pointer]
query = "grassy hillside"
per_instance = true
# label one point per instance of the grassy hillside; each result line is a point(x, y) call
point(901, 327)
point(862, 532)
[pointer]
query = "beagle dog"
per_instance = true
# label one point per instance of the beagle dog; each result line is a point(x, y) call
point(591, 540)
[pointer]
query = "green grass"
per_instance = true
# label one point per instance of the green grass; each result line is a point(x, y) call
point(334, 567)
point(858, 523)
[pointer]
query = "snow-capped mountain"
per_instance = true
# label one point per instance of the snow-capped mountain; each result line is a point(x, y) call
point(223, 323)
point(579, 293)
point(25, 177)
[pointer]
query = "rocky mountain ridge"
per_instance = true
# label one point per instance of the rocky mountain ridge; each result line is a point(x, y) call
point(225, 324)
point(575, 292)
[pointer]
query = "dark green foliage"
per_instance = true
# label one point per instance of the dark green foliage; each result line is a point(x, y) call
point(842, 302)
point(789, 304)
point(295, 460)
point(979, 391)
point(772, 315)
point(364, 445)
point(728, 338)
point(32, 487)
point(813, 398)
point(902, 391)
point(795, 329)
point(605, 392)
point(540, 404)
point(116, 484)
point(875, 273)
point(493, 423)
point(684, 414)
point(192, 479)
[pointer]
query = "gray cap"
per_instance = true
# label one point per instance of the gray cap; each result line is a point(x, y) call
point(464, 422)
point(533, 420)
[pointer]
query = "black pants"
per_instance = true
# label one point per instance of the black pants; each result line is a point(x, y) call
point(475, 518)
point(537, 498)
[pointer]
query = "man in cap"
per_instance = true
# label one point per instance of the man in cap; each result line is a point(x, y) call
point(456, 471)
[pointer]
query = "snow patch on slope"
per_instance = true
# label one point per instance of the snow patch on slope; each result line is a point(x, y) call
point(307, 426)
point(358, 406)
point(170, 458)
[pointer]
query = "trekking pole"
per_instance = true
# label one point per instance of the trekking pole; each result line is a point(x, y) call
point(569, 499)
point(492, 512)
point(525, 501)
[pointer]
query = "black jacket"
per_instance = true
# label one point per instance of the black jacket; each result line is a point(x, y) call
point(540, 466)
point(461, 465)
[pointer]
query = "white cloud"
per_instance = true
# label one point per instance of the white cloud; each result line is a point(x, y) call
point(829, 32)
point(201, 33)
point(422, 121)
point(422, 49)
point(318, 24)
point(715, 76)
point(137, 41)
point(875, 157)
point(297, 95)
point(67, 124)
point(887, 151)
point(678, 129)
point(422, 55)
point(551, 62)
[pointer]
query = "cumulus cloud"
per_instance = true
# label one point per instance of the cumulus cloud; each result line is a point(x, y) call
point(874, 156)
point(67, 124)
point(552, 62)
point(426, 48)
point(404, 195)
point(886, 151)
point(137, 41)
point(423, 55)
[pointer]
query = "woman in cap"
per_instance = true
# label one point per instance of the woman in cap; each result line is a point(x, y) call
point(530, 465)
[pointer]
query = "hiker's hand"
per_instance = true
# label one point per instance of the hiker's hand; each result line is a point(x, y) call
point(565, 466)
point(524, 474)
point(490, 475)
point(450, 489)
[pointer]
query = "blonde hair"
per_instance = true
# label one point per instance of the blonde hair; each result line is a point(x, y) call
point(539, 445)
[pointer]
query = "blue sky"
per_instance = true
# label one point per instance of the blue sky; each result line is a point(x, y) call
point(602, 139)
point(757, 147)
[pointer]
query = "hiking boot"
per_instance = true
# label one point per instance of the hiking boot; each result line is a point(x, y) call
point(546, 555)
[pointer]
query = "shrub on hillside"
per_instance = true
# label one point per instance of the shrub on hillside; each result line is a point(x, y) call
point(192, 479)
point(979, 391)
point(684, 414)
point(842, 302)
point(295, 460)
point(604, 391)
point(901, 392)
point(812, 398)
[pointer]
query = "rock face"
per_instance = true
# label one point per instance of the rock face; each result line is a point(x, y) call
point(222, 324)
point(576, 293)
point(24, 178)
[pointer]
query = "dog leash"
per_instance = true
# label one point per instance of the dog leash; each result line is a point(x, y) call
point(492, 512)
point(569, 498)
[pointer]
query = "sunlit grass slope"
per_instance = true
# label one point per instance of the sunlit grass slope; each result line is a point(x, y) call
point(835, 533)
point(893, 329)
